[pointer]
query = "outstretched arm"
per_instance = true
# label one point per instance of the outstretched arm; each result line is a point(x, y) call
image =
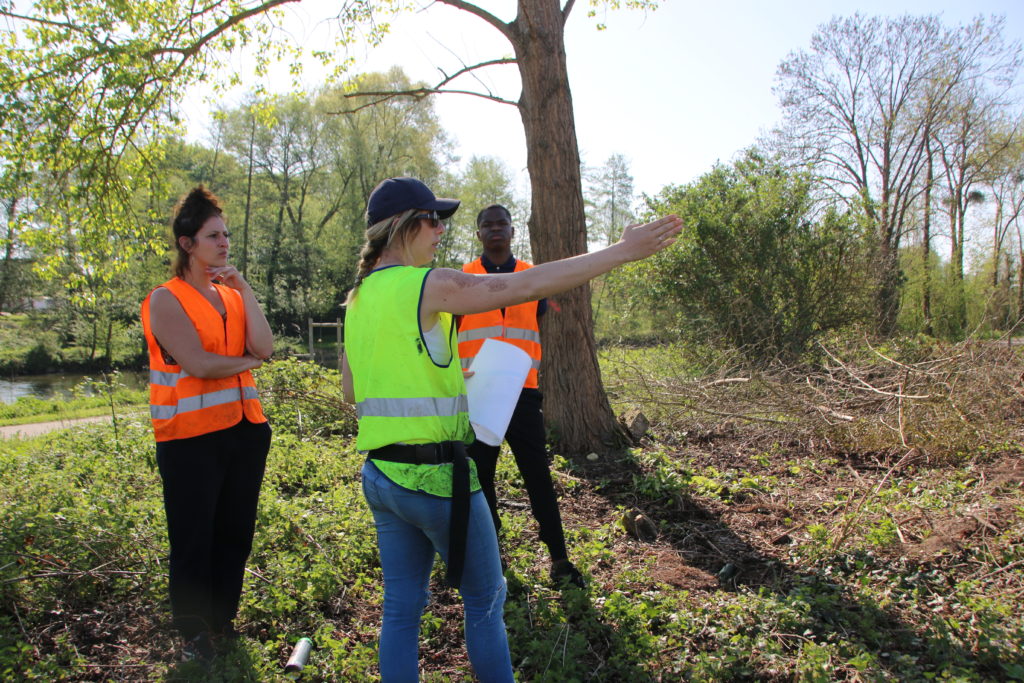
point(464, 293)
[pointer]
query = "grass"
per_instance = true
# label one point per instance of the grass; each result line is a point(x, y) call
point(777, 557)
point(28, 409)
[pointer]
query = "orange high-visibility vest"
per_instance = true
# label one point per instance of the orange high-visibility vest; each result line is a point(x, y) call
point(183, 406)
point(518, 326)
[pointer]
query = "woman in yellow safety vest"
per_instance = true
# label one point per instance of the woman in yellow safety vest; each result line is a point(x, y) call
point(205, 332)
point(401, 369)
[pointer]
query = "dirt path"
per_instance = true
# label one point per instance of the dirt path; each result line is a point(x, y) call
point(37, 428)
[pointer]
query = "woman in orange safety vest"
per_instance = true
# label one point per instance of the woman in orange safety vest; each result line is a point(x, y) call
point(205, 332)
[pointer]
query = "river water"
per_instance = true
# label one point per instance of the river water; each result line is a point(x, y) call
point(58, 385)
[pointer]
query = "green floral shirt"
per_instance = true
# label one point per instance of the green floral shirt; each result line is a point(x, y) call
point(435, 480)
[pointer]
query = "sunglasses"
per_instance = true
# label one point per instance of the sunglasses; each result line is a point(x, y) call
point(431, 216)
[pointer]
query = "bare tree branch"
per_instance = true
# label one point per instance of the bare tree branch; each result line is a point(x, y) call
point(466, 69)
point(567, 9)
point(416, 94)
point(482, 13)
point(381, 96)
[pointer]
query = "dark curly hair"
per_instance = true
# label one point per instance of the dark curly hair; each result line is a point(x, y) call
point(480, 215)
point(191, 212)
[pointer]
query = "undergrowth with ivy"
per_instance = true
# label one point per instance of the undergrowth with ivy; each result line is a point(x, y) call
point(774, 558)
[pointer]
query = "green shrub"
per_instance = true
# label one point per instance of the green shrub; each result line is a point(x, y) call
point(756, 266)
point(303, 398)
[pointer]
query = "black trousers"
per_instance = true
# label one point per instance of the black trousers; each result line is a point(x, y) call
point(211, 490)
point(525, 437)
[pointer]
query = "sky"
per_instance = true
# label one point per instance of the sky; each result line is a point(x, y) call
point(674, 90)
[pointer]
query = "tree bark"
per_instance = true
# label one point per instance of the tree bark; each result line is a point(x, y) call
point(576, 407)
point(926, 240)
point(7, 266)
point(1020, 275)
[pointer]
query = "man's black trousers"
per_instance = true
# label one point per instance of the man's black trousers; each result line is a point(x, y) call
point(525, 437)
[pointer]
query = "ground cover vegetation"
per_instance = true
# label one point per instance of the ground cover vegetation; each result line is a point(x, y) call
point(859, 517)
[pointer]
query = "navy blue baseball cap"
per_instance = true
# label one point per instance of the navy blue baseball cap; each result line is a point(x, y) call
point(395, 195)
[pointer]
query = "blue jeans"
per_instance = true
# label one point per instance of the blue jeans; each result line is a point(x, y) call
point(411, 527)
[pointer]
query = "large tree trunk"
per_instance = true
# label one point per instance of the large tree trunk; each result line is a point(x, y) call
point(887, 295)
point(576, 407)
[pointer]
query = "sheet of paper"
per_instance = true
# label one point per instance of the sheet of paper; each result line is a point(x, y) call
point(499, 370)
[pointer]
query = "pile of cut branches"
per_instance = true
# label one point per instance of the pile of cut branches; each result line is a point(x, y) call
point(942, 400)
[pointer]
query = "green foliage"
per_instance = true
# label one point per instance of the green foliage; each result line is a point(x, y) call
point(304, 399)
point(754, 266)
point(83, 564)
point(84, 530)
point(664, 477)
point(298, 224)
point(25, 345)
point(296, 227)
point(88, 97)
point(990, 308)
point(46, 342)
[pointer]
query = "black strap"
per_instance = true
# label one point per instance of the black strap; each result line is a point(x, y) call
point(459, 522)
point(436, 454)
point(416, 454)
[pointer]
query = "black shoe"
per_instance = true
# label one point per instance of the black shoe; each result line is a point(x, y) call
point(198, 648)
point(564, 574)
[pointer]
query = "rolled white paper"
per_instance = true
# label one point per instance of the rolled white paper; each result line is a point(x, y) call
point(499, 371)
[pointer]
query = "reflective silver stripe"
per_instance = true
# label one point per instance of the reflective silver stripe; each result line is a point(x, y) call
point(250, 393)
point(520, 333)
point(466, 362)
point(200, 401)
point(166, 379)
point(481, 333)
point(496, 331)
point(412, 407)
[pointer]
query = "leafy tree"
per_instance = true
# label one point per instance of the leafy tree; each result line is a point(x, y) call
point(307, 175)
point(84, 90)
point(970, 142)
point(485, 181)
point(1007, 190)
point(755, 266)
point(609, 198)
point(863, 103)
point(13, 263)
point(400, 137)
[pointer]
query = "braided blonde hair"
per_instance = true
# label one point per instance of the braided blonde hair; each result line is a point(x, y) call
point(380, 236)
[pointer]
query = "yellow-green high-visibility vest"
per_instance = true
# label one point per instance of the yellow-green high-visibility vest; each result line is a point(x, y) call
point(402, 395)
